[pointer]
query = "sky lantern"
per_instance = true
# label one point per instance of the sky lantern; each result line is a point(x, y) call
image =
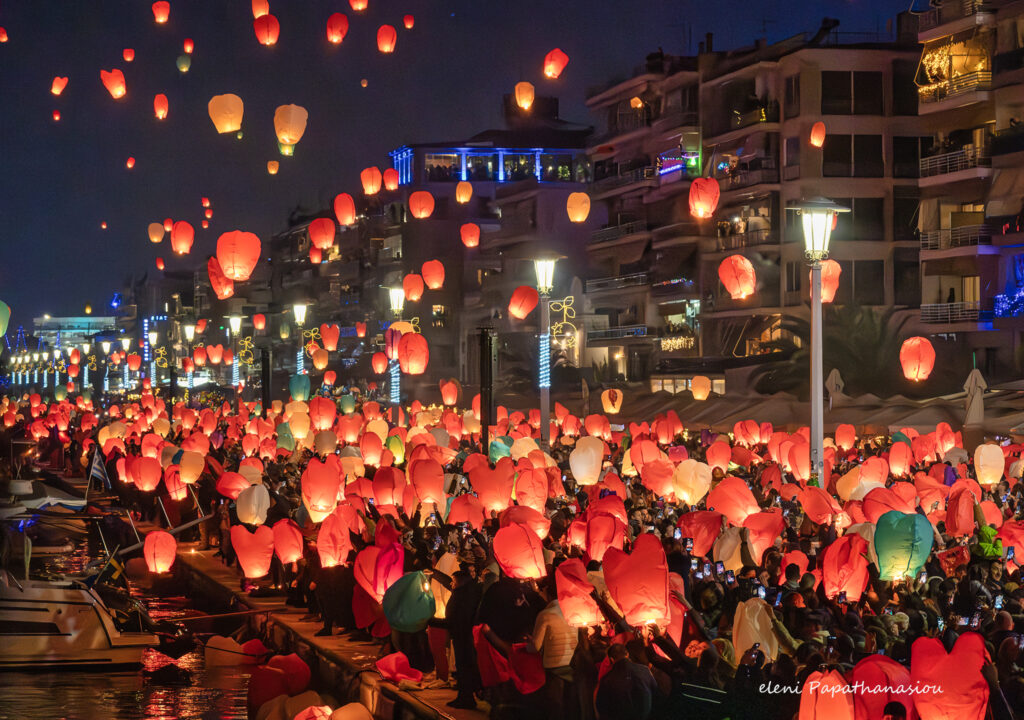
point(160, 106)
point(337, 27)
point(524, 93)
point(345, 209)
point(321, 233)
point(183, 63)
point(413, 353)
point(358, 5)
point(332, 542)
point(182, 237)
point(408, 21)
point(259, 321)
point(128, 54)
point(288, 541)
point(223, 286)
point(390, 179)
point(412, 285)
point(818, 134)
point(449, 392)
point(846, 436)
point(254, 550)
point(330, 335)
point(577, 206)
point(988, 464)
point(638, 582)
point(554, 63)
point(585, 460)
point(387, 36)
point(737, 274)
point(130, 163)
point(289, 124)
point(159, 550)
point(113, 81)
point(267, 29)
point(463, 192)
point(379, 362)
point(917, 356)
point(700, 387)
point(574, 594)
point(59, 83)
point(704, 194)
point(519, 552)
point(238, 252)
point(371, 180)
point(845, 567)
point(826, 696)
point(168, 224)
point(830, 272)
point(433, 274)
point(56, 115)
point(470, 234)
point(421, 204)
point(161, 11)
point(188, 46)
point(260, 8)
point(272, 167)
point(360, 329)
point(902, 543)
point(954, 687)
point(226, 112)
point(160, 265)
point(320, 359)
point(611, 401)
point(524, 299)
point(134, 362)
point(205, 224)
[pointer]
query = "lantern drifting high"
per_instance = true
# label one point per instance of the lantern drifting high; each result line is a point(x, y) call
point(433, 274)
point(159, 549)
point(421, 204)
point(289, 124)
point(182, 237)
point(470, 234)
point(554, 63)
point(156, 232)
point(345, 209)
point(818, 134)
point(391, 179)
point(737, 274)
point(577, 206)
point(700, 387)
point(161, 11)
point(160, 106)
point(387, 36)
point(408, 22)
point(463, 192)
point(358, 5)
point(321, 233)
point(226, 112)
point(267, 29)
point(272, 167)
point(917, 356)
point(59, 83)
point(113, 81)
point(337, 28)
point(524, 93)
point(524, 299)
point(830, 272)
point(704, 194)
point(371, 180)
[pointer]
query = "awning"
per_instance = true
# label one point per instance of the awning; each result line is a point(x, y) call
point(1006, 193)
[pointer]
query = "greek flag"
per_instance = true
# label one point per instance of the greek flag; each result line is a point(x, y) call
point(97, 470)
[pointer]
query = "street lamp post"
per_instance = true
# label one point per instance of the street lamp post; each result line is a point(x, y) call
point(126, 342)
point(817, 216)
point(396, 296)
point(151, 338)
point(190, 335)
point(299, 311)
point(235, 323)
point(545, 268)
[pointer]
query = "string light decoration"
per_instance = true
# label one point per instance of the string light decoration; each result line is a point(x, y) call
point(564, 329)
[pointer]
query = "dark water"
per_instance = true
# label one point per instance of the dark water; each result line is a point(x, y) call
point(217, 694)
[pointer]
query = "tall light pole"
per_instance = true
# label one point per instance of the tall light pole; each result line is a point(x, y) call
point(299, 311)
point(105, 346)
point(126, 342)
point(545, 268)
point(235, 323)
point(85, 364)
point(396, 296)
point(818, 216)
point(151, 338)
point(190, 335)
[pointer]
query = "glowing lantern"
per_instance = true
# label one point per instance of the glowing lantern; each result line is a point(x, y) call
point(954, 687)
point(470, 234)
point(577, 206)
point(387, 36)
point(408, 21)
point(272, 167)
point(574, 594)
point(159, 550)
point(289, 124)
point(463, 192)
point(332, 541)
point(238, 252)
point(519, 552)
point(168, 224)
point(733, 498)
point(390, 179)
point(320, 359)
point(524, 93)
point(329, 377)
point(223, 286)
point(700, 386)
point(421, 204)
point(371, 180)
point(358, 5)
point(160, 264)
point(134, 362)
point(160, 106)
point(845, 567)
point(226, 112)
point(524, 300)
point(413, 353)
point(917, 356)
point(826, 695)
point(345, 209)
point(128, 54)
point(161, 11)
point(427, 478)
point(321, 233)
point(611, 401)
point(260, 8)
point(704, 194)
point(585, 460)
point(259, 321)
point(449, 392)
point(59, 83)
point(188, 46)
point(252, 504)
point(988, 464)
point(433, 274)
point(737, 274)
point(130, 163)
point(156, 232)
point(337, 27)
point(255, 550)
point(638, 582)
point(554, 63)
point(56, 115)
point(267, 29)
point(183, 63)
point(412, 285)
point(818, 134)
point(361, 329)
point(830, 272)
point(113, 81)
point(379, 362)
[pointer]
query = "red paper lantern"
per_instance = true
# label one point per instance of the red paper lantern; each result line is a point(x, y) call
point(59, 83)
point(958, 690)
point(371, 180)
point(329, 377)
point(113, 81)
point(830, 272)
point(159, 549)
point(845, 567)
point(332, 541)
point(704, 194)
point(470, 234)
point(128, 54)
point(130, 163)
point(818, 134)
point(267, 29)
point(188, 46)
point(427, 478)
point(737, 274)
point(160, 106)
point(638, 582)
point(408, 21)
point(320, 484)
point(379, 362)
point(337, 27)
point(519, 552)
point(524, 300)
point(288, 541)
point(413, 353)
point(161, 11)
point(732, 498)
point(321, 233)
point(358, 5)
point(917, 356)
point(826, 696)
point(433, 274)
point(223, 286)
point(316, 255)
point(449, 392)
point(254, 550)
point(238, 252)
point(412, 284)
point(387, 36)
point(231, 485)
point(361, 329)
point(260, 7)
point(182, 237)
point(391, 179)
point(421, 204)
point(574, 594)
point(554, 63)
point(134, 362)
point(322, 412)
point(345, 209)
point(259, 321)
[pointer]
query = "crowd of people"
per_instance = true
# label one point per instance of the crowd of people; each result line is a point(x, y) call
point(735, 588)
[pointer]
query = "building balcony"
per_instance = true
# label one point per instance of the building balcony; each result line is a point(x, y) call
point(1008, 141)
point(618, 231)
point(966, 163)
point(676, 119)
point(618, 332)
point(624, 125)
point(674, 287)
point(615, 183)
point(746, 178)
point(620, 282)
point(746, 240)
point(950, 312)
point(958, 87)
point(738, 120)
point(956, 237)
point(952, 11)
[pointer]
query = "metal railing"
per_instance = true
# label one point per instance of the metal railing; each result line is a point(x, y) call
point(615, 333)
point(963, 159)
point(617, 231)
point(950, 312)
point(968, 82)
point(624, 123)
point(745, 178)
point(677, 118)
point(747, 239)
point(648, 172)
point(956, 237)
point(616, 283)
point(679, 284)
point(953, 11)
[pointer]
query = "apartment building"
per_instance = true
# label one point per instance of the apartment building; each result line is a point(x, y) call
point(744, 117)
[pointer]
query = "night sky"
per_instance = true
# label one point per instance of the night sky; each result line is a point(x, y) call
point(60, 180)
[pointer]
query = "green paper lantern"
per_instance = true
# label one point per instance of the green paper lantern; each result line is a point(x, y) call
point(499, 449)
point(298, 386)
point(60, 393)
point(5, 317)
point(409, 604)
point(184, 62)
point(902, 544)
point(348, 404)
point(285, 439)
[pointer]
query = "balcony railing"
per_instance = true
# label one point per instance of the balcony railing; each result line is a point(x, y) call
point(950, 312)
point(948, 12)
point(677, 118)
point(747, 239)
point(1009, 140)
point(963, 159)
point(968, 82)
point(648, 172)
point(956, 237)
point(617, 231)
point(617, 283)
point(745, 178)
point(675, 285)
point(623, 124)
point(618, 332)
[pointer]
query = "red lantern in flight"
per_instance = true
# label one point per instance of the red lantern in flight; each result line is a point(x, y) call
point(159, 550)
point(337, 27)
point(379, 363)
point(259, 321)
point(421, 204)
point(413, 353)
point(387, 36)
point(391, 179)
point(59, 83)
point(221, 284)
point(818, 134)
point(238, 252)
point(371, 179)
point(524, 300)
point(470, 233)
point(267, 29)
point(917, 356)
point(113, 81)
point(408, 21)
point(361, 329)
point(433, 274)
point(345, 209)
point(358, 5)
point(412, 285)
point(160, 106)
point(161, 11)
point(160, 263)
point(704, 194)
point(128, 54)
point(188, 46)
point(554, 63)
point(737, 274)
point(321, 233)
point(830, 272)
point(182, 237)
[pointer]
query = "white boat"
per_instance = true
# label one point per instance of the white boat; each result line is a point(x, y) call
point(46, 624)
